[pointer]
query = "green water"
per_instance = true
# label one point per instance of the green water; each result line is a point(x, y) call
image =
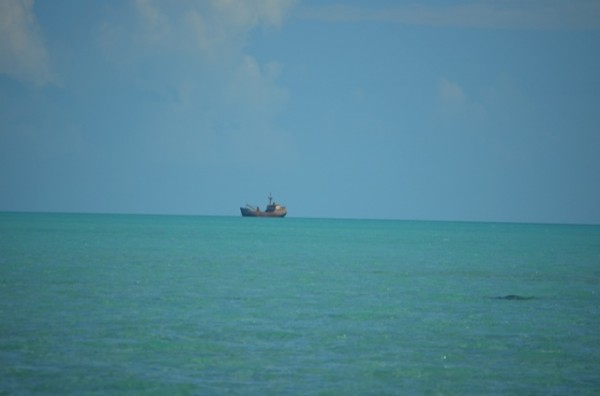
point(119, 304)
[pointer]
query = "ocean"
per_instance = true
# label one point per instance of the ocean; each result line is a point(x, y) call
point(197, 305)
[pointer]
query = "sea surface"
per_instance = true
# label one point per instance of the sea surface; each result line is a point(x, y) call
point(192, 305)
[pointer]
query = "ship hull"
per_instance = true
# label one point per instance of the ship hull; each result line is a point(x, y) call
point(246, 212)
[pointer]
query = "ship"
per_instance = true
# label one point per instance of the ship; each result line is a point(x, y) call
point(273, 210)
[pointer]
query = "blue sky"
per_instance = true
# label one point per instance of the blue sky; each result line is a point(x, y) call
point(433, 110)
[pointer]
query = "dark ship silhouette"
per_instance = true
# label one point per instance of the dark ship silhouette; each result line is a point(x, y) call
point(273, 210)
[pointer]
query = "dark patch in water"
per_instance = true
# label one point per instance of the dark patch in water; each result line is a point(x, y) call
point(513, 297)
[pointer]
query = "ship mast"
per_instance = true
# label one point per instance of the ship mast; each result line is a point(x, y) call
point(270, 198)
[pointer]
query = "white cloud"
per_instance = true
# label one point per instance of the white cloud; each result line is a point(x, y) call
point(22, 51)
point(210, 25)
point(508, 14)
point(219, 93)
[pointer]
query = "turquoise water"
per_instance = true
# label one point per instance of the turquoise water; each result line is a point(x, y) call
point(120, 304)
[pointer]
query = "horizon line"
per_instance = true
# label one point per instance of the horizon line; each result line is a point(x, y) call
point(161, 214)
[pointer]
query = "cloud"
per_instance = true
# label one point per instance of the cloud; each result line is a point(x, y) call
point(22, 51)
point(211, 25)
point(215, 30)
point(194, 56)
point(509, 14)
point(450, 92)
point(456, 106)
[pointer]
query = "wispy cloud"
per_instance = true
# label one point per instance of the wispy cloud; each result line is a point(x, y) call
point(211, 26)
point(456, 106)
point(451, 92)
point(210, 74)
point(508, 14)
point(23, 54)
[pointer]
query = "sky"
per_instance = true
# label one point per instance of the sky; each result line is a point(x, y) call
point(465, 110)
